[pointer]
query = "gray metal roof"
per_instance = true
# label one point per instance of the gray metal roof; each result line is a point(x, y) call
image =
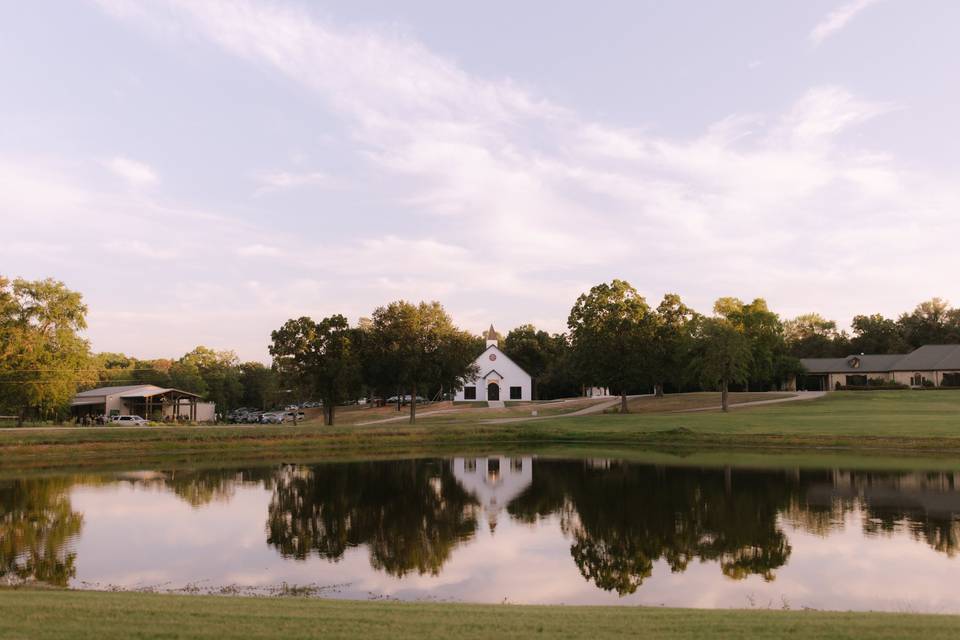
point(852, 364)
point(931, 357)
point(130, 391)
point(112, 391)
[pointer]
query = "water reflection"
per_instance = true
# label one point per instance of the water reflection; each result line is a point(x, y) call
point(411, 514)
point(624, 527)
point(37, 523)
point(622, 518)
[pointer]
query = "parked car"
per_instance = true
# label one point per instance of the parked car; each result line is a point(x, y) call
point(274, 417)
point(291, 416)
point(135, 421)
point(406, 399)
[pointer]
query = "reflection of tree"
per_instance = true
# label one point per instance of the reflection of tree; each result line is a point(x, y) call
point(410, 513)
point(199, 487)
point(625, 518)
point(927, 505)
point(36, 523)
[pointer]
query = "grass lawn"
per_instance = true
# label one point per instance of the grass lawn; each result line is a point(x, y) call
point(923, 421)
point(692, 401)
point(74, 615)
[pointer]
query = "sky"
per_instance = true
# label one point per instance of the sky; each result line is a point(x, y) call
point(203, 170)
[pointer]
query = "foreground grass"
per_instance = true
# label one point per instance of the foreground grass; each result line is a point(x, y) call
point(62, 615)
point(916, 421)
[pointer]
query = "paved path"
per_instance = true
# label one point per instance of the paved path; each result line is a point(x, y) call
point(599, 407)
point(801, 395)
point(594, 408)
point(406, 416)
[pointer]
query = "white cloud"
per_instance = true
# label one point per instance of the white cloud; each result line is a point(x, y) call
point(837, 19)
point(826, 111)
point(137, 174)
point(282, 180)
point(258, 250)
point(504, 203)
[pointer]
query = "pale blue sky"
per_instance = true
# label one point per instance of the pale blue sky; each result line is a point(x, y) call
point(202, 171)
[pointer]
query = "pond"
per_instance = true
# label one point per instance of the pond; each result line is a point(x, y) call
point(522, 529)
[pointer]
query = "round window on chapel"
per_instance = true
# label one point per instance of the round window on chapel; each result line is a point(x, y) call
point(493, 357)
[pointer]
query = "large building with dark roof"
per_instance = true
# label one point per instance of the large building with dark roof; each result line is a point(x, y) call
point(932, 365)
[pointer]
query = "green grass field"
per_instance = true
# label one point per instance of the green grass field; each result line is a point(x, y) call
point(916, 421)
point(75, 615)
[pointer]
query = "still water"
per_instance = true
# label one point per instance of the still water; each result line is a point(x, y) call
point(495, 529)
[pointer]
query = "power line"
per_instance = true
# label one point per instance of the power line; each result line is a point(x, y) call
point(98, 369)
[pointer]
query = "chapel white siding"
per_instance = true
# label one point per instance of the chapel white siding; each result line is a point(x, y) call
point(497, 369)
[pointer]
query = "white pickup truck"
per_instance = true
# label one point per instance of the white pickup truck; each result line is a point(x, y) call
point(135, 421)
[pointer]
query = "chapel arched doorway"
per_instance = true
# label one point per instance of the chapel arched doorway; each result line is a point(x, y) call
point(493, 391)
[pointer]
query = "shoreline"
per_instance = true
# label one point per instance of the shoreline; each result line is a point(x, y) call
point(90, 449)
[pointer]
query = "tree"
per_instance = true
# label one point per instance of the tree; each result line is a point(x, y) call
point(42, 356)
point(155, 372)
point(932, 322)
point(675, 324)
point(611, 329)
point(415, 347)
point(185, 375)
point(219, 375)
point(764, 333)
point(812, 336)
point(876, 334)
point(319, 356)
point(534, 350)
point(259, 383)
point(723, 356)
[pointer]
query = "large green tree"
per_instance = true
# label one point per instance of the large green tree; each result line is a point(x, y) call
point(675, 327)
point(612, 334)
point(215, 374)
point(765, 335)
point(417, 347)
point(259, 383)
point(931, 322)
point(535, 350)
point(323, 357)
point(876, 334)
point(810, 335)
point(42, 356)
point(723, 356)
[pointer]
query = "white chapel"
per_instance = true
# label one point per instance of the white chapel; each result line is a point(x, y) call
point(499, 379)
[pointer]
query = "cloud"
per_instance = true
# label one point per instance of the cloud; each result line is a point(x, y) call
point(837, 19)
point(283, 180)
point(506, 205)
point(259, 250)
point(137, 174)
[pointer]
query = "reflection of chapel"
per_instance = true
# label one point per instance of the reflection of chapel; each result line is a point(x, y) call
point(494, 481)
point(498, 379)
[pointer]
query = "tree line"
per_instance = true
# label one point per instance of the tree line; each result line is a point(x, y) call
point(614, 339)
